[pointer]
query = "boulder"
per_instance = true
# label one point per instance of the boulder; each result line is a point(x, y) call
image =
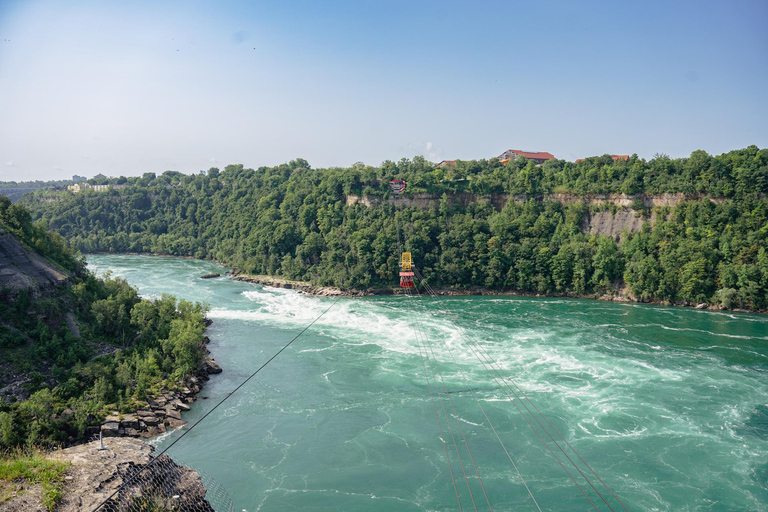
point(210, 276)
point(211, 366)
point(131, 432)
point(174, 423)
point(172, 414)
point(110, 429)
point(180, 405)
point(130, 421)
point(150, 421)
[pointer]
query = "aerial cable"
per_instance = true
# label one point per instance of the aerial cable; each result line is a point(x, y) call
point(533, 404)
point(456, 416)
point(543, 441)
point(226, 397)
point(496, 371)
point(437, 417)
point(405, 271)
point(445, 411)
point(490, 423)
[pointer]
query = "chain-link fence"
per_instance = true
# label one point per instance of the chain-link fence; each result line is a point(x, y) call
point(163, 485)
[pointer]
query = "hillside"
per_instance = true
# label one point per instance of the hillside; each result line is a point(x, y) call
point(21, 269)
point(689, 230)
point(74, 347)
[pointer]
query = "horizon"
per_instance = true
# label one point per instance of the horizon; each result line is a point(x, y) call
point(222, 167)
point(93, 88)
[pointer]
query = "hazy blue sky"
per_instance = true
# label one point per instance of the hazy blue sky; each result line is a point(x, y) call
point(136, 86)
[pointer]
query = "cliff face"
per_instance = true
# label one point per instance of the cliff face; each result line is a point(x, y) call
point(23, 269)
point(499, 200)
point(600, 223)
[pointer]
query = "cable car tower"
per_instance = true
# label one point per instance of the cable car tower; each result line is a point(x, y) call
point(406, 271)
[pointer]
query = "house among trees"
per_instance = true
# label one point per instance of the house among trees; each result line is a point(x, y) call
point(537, 156)
point(445, 162)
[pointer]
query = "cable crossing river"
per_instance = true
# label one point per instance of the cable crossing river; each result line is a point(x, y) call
point(385, 402)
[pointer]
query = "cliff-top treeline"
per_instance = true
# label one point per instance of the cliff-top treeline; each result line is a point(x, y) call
point(291, 220)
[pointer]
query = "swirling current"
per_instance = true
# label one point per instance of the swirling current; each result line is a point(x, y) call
point(668, 406)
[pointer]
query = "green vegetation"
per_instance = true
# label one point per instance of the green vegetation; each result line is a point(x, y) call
point(35, 184)
point(291, 221)
point(31, 467)
point(127, 348)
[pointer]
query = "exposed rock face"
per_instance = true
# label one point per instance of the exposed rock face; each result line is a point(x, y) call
point(96, 474)
point(499, 200)
point(23, 269)
point(601, 223)
point(607, 224)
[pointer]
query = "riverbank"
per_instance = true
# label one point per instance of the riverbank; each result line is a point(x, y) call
point(162, 410)
point(617, 295)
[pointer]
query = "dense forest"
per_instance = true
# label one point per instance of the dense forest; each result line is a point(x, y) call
point(125, 350)
point(292, 221)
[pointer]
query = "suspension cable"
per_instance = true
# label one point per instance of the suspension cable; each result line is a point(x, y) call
point(456, 416)
point(522, 398)
point(543, 441)
point(445, 411)
point(437, 417)
point(226, 397)
point(490, 423)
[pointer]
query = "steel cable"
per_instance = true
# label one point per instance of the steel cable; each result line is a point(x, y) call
point(490, 423)
point(497, 370)
point(228, 395)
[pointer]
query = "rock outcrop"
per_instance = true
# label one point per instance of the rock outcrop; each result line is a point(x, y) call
point(162, 411)
point(23, 269)
point(95, 474)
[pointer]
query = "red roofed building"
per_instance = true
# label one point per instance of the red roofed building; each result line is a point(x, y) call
point(445, 162)
point(537, 156)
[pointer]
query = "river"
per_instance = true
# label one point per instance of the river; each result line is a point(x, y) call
point(668, 406)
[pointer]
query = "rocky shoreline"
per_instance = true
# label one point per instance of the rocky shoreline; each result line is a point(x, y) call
point(330, 291)
point(162, 411)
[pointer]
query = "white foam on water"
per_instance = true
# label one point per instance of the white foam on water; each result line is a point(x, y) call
point(353, 322)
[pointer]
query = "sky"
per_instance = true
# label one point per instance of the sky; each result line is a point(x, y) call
point(127, 87)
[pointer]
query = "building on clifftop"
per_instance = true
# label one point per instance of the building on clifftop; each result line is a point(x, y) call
point(537, 156)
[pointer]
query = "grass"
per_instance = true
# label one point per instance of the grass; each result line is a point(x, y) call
point(31, 467)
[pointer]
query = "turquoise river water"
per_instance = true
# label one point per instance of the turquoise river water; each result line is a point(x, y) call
point(668, 406)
